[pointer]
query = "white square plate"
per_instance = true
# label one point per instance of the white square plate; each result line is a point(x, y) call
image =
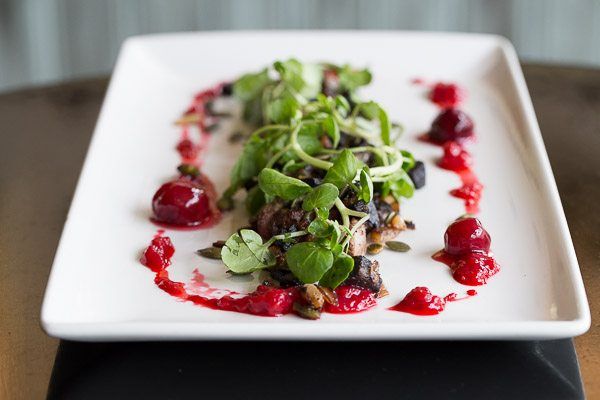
point(99, 291)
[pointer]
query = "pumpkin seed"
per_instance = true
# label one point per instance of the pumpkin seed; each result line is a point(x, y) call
point(306, 311)
point(374, 248)
point(397, 246)
point(210, 252)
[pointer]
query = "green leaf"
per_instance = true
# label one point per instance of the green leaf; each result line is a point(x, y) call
point(339, 272)
point(323, 196)
point(308, 261)
point(331, 127)
point(249, 86)
point(385, 126)
point(319, 228)
point(351, 79)
point(343, 170)
point(249, 164)
point(366, 186)
point(283, 110)
point(275, 183)
point(255, 200)
point(244, 252)
point(303, 78)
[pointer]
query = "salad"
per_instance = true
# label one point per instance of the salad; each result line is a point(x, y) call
point(323, 181)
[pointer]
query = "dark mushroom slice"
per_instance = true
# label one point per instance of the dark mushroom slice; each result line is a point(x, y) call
point(417, 174)
point(365, 274)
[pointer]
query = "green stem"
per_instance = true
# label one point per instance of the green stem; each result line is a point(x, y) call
point(267, 128)
point(285, 236)
point(278, 155)
point(315, 162)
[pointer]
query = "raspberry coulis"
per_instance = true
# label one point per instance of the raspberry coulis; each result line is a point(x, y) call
point(442, 94)
point(453, 129)
point(266, 301)
point(467, 252)
point(190, 202)
point(420, 301)
point(446, 94)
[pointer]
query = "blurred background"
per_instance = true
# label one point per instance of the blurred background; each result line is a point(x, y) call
point(44, 41)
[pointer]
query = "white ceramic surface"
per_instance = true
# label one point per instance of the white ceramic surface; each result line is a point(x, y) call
point(99, 291)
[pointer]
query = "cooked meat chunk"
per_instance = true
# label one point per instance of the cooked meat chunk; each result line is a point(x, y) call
point(274, 218)
point(365, 274)
point(358, 243)
point(284, 277)
point(263, 223)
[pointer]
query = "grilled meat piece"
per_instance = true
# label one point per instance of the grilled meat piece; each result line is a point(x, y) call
point(263, 222)
point(365, 274)
point(275, 218)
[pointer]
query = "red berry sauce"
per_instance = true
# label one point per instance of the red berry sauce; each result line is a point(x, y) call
point(351, 299)
point(446, 94)
point(453, 129)
point(455, 158)
point(466, 252)
point(265, 301)
point(420, 301)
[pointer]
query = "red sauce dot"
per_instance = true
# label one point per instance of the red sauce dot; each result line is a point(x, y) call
point(446, 94)
point(420, 301)
point(455, 157)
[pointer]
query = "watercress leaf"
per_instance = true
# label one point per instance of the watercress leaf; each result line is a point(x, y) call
point(249, 86)
point(249, 164)
point(319, 228)
point(322, 213)
point(323, 196)
point(384, 124)
point(292, 166)
point(282, 110)
point(342, 105)
point(352, 79)
point(244, 252)
point(339, 272)
point(331, 127)
point(255, 200)
point(343, 170)
point(366, 186)
point(402, 188)
point(275, 183)
point(308, 261)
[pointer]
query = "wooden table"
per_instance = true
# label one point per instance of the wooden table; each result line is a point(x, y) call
point(44, 136)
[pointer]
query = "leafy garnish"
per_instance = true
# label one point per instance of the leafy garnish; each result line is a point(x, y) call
point(245, 252)
point(338, 273)
point(308, 261)
point(274, 183)
point(323, 196)
point(343, 170)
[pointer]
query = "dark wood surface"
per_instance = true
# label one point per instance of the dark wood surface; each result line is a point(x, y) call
point(44, 135)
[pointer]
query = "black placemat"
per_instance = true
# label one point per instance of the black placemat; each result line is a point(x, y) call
point(317, 370)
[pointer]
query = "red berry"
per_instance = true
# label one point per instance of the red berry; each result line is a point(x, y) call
point(466, 236)
point(451, 125)
point(181, 202)
point(455, 158)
